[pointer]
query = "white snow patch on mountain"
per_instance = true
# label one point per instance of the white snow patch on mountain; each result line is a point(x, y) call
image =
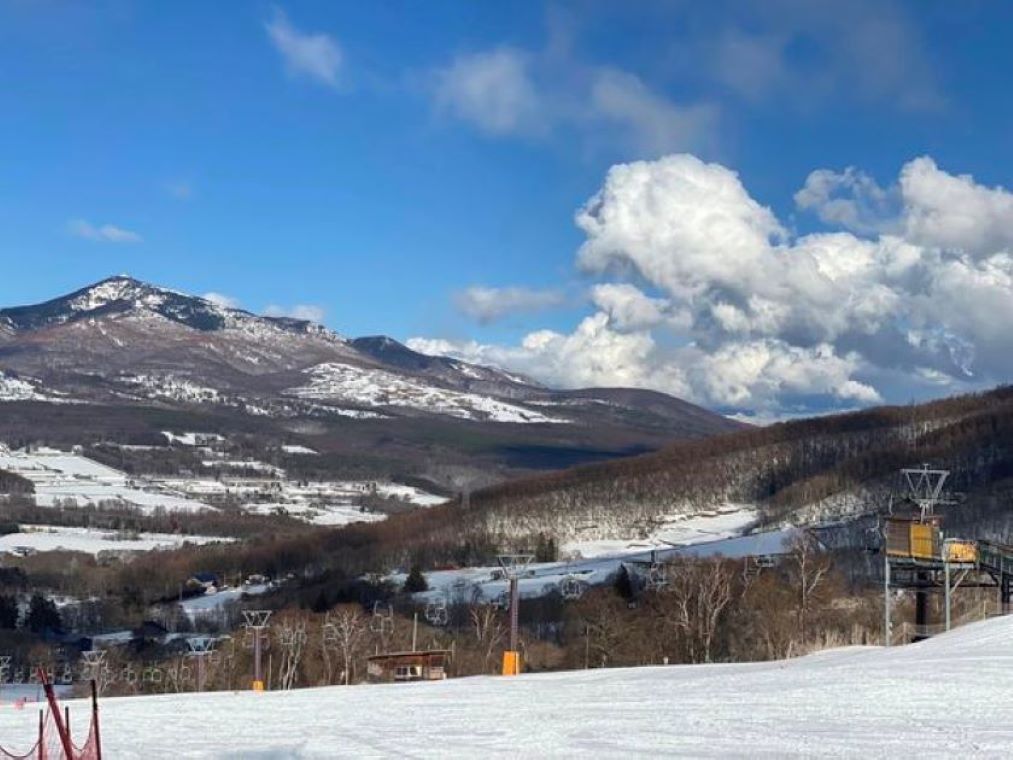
point(291, 448)
point(373, 387)
point(172, 388)
point(15, 389)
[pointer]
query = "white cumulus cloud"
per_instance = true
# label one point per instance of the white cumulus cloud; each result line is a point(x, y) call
point(705, 294)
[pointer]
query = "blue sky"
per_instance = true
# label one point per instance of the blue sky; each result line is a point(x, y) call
point(375, 163)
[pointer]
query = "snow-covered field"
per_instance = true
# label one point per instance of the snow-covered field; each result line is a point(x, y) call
point(62, 477)
point(318, 514)
point(43, 538)
point(196, 606)
point(947, 697)
point(723, 521)
point(335, 502)
point(373, 387)
point(486, 583)
point(65, 477)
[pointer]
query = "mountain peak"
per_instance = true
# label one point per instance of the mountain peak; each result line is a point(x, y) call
point(121, 295)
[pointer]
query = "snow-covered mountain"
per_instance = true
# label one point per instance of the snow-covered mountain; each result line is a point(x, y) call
point(125, 342)
point(125, 339)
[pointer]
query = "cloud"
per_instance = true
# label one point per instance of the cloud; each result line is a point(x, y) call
point(316, 56)
point(866, 50)
point(954, 212)
point(302, 311)
point(105, 233)
point(629, 308)
point(490, 304)
point(507, 91)
point(849, 199)
point(705, 294)
point(492, 90)
point(654, 124)
point(220, 299)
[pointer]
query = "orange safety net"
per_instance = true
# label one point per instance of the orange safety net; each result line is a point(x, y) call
point(55, 741)
point(49, 745)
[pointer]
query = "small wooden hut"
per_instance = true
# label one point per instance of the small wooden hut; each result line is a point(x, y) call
point(428, 665)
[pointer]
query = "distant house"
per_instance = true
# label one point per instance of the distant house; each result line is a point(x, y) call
point(209, 583)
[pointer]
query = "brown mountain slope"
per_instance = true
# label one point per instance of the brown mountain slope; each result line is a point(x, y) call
point(808, 470)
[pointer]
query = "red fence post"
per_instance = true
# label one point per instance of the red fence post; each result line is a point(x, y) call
point(94, 720)
point(54, 710)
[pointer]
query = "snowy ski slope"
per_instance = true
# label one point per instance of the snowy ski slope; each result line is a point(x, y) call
point(948, 697)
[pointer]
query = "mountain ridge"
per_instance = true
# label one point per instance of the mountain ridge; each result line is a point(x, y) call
point(124, 342)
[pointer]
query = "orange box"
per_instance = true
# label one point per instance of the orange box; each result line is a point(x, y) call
point(511, 663)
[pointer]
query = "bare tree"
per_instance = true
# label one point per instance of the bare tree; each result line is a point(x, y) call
point(349, 629)
point(809, 567)
point(487, 623)
point(692, 603)
point(292, 639)
point(604, 627)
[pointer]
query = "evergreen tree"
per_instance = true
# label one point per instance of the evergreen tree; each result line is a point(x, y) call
point(8, 612)
point(320, 604)
point(623, 584)
point(416, 581)
point(43, 615)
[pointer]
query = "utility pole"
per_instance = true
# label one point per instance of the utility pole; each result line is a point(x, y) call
point(886, 593)
point(256, 630)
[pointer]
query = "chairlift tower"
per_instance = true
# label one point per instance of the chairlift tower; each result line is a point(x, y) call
point(925, 488)
point(256, 628)
point(513, 566)
point(94, 664)
point(201, 648)
point(918, 556)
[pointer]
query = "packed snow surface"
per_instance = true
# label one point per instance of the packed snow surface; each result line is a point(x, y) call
point(947, 697)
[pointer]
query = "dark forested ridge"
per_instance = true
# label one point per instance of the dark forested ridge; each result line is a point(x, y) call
point(799, 471)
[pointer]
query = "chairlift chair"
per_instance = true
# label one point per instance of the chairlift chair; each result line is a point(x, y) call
point(572, 587)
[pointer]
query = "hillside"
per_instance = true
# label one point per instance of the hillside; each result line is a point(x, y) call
point(816, 469)
point(120, 359)
point(857, 702)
